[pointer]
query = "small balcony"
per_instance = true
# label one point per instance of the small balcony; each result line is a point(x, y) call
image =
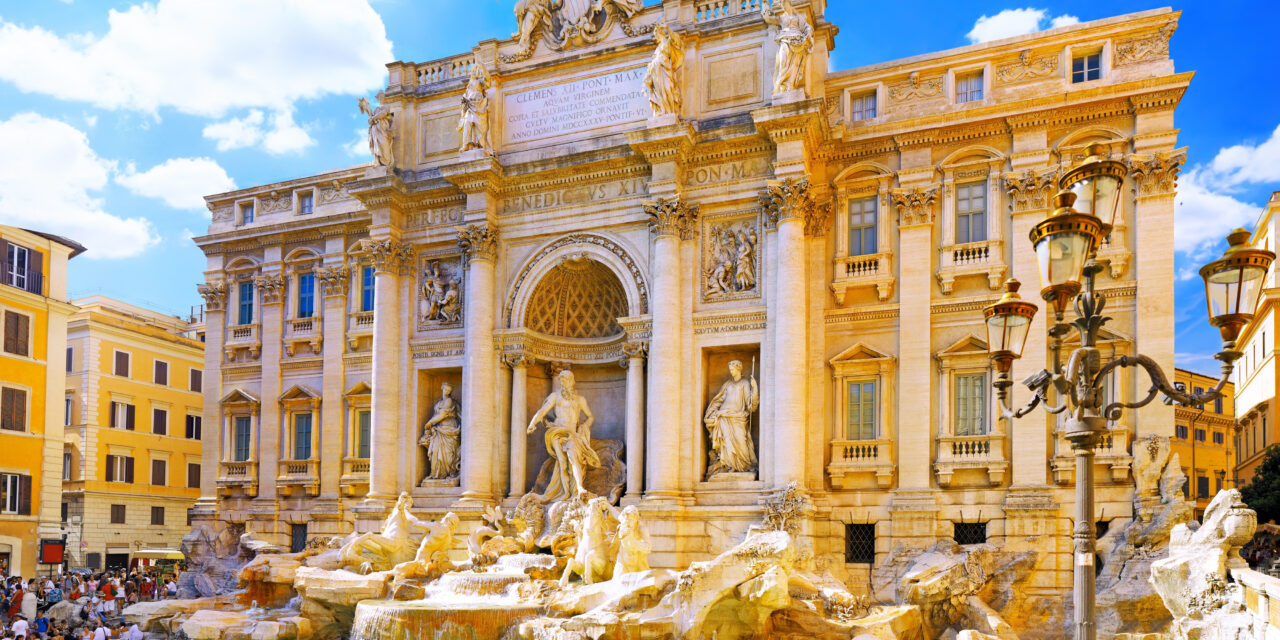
point(243, 337)
point(871, 270)
point(984, 258)
point(359, 325)
point(303, 331)
point(1111, 458)
point(241, 475)
point(355, 476)
point(852, 460)
point(299, 476)
point(983, 453)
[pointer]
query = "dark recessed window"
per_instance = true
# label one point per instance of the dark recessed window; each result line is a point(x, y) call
point(971, 532)
point(860, 543)
point(117, 514)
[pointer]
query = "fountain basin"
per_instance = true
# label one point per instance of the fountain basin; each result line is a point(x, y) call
point(461, 619)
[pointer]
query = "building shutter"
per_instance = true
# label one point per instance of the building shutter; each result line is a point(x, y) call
point(4, 262)
point(18, 409)
point(112, 419)
point(35, 272)
point(111, 468)
point(128, 417)
point(128, 469)
point(24, 495)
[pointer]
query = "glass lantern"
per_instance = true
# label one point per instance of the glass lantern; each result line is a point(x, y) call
point(1233, 284)
point(1064, 242)
point(1008, 322)
point(1096, 183)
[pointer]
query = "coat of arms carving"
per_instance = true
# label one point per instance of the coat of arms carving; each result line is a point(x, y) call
point(564, 24)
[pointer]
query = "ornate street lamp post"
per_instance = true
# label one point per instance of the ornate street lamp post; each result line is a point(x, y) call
point(1066, 245)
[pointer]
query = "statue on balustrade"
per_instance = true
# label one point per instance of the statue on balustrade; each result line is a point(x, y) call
point(728, 418)
point(384, 550)
point(662, 78)
point(442, 436)
point(795, 41)
point(568, 438)
point(474, 119)
point(380, 132)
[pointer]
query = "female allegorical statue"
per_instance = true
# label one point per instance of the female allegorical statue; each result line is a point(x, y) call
point(662, 78)
point(379, 132)
point(727, 418)
point(568, 442)
point(441, 435)
point(795, 40)
point(474, 119)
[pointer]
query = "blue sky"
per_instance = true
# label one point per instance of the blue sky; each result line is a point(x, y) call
point(116, 116)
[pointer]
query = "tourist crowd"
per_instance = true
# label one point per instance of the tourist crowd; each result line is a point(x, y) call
point(1262, 552)
point(101, 597)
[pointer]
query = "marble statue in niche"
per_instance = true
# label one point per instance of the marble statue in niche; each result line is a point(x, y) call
point(473, 122)
point(795, 41)
point(442, 437)
point(441, 293)
point(730, 265)
point(662, 78)
point(380, 132)
point(568, 438)
point(728, 419)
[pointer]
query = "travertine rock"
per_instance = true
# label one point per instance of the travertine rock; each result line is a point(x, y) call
point(208, 624)
point(271, 568)
point(969, 634)
point(902, 622)
point(624, 592)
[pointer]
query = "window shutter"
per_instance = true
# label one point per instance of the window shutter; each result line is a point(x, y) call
point(24, 335)
point(4, 262)
point(128, 469)
point(24, 495)
point(10, 332)
point(35, 272)
point(128, 417)
point(6, 408)
point(113, 423)
point(111, 468)
point(19, 420)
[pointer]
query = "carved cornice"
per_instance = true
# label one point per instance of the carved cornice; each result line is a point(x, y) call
point(1156, 174)
point(389, 255)
point(794, 199)
point(1157, 101)
point(1030, 191)
point(271, 287)
point(214, 294)
point(915, 205)
point(333, 281)
point(672, 216)
point(478, 242)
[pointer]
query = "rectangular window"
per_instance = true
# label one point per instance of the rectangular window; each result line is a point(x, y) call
point(306, 295)
point(242, 435)
point(65, 509)
point(121, 364)
point(863, 107)
point(1217, 406)
point(1180, 431)
point(66, 412)
point(161, 373)
point(66, 465)
point(1218, 485)
point(297, 538)
point(971, 532)
point(860, 409)
point(246, 213)
point(17, 266)
point(70, 352)
point(159, 473)
point(862, 226)
point(193, 475)
point(969, 87)
point(15, 494)
point(971, 405)
point(119, 469)
point(160, 422)
point(860, 543)
point(157, 515)
point(117, 514)
point(195, 381)
point(306, 202)
point(1202, 486)
point(366, 288)
point(193, 427)
point(302, 436)
point(1087, 67)
point(363, 431)
point(245, 305)
point(13, 409)
point(1200, 435)
point(122, 415)
point(1218, 438)
point(17, 333)
point(971, 212)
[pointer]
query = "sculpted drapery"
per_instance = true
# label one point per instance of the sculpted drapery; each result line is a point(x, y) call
point(795, 40)
point(442, 437)
point(662, 78)
point(379, 133)
point(568, 439)
point(473, 122)
point(728, 420)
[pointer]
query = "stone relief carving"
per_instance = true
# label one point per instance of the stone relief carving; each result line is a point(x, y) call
point(473, 122)
point(441, 299)
point(276, 202)
point(380, 132)
point(214, 294)
point(333, 192)
point(568, 438)
point(915, 205)
point(442, 437)
point(478, 242)
point(915, 89)
point(731, 260)
point(389, 255)
point(1030, 191)
point(333, 280)
point(564, 24)
point(1152, 47)
point(671, 216)
point(1157, 174)
point(728, 419)
point(662, 77)
point(271, 287)
point(1027, 68)
point(220, 214)
point(795, 41)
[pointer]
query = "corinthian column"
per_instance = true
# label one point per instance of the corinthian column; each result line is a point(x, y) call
point(519, 420)
point(480, 247)
point(669, 219)
point(916, 207)
point(633, 360)
point(390, 258)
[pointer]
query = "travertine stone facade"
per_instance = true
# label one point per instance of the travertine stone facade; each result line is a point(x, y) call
point(873, 211)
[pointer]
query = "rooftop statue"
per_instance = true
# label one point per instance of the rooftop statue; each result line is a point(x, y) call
point(371, 552)
point(795, 41)
point(568, 440)
point(474, 120)
point(380, 132)
point(662, 78)
point(565, 23)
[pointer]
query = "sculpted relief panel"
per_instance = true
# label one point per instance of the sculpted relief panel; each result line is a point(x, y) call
point(731, 260)
point(440, 299)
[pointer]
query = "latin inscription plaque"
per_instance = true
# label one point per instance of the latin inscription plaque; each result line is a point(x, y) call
point(573, 107)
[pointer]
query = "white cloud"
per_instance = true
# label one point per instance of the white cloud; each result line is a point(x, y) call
point(91, 121)
point(283, 135)
point(359, 145)
point(181, 183)
point(203, 58)
point(1243, 163)
point(1015, 22)
point(48, 178)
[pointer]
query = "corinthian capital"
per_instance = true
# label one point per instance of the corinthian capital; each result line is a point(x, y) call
point(271, 287)
point(671, 216)
point(214, 294)
point(792, 199)
point(333, 280)
point(633, 350)
point(389, 255)
point(915, 205)
point(478, 242)
point(1030, 191)
point(1157, 174)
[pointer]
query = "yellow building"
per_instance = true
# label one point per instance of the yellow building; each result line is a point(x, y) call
point(33, 311)
point(1204, 439)
point(1255, 372)
point(133, 415)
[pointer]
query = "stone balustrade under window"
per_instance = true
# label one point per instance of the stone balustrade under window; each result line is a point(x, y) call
point(359, 325)
point(242, 474)
point(984, 258)
point(303, 331)
point(870, 270)
point(355, 475)
point(851, 459)
point(301, 475)
point(1111, 458)
point(981, 452)
point(243, 337)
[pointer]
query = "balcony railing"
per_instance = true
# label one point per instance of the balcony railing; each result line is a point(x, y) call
point(440, 70)
point(359, 325)
point(866, 458)
point(971, 258)
point(303, 331)
point(1111, 458)
point(716, 9)
point(355, 472)
point(241, 474)
point(299, 474)
point(31, 282)
point(871, 270)
point(983, 452)
point(243, 336)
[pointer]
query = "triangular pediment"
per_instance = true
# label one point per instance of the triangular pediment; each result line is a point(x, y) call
point(1104, 335)
point(967, 344)
point(361, 388)
point(859, 352)
point(239, 396)
point(298, 392)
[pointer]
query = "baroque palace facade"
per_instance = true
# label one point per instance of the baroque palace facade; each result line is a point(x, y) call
point(835, 233)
